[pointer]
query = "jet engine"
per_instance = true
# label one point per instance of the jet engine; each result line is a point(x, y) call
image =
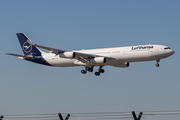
point(67, 55)
point(122, 65)
point(98, 60)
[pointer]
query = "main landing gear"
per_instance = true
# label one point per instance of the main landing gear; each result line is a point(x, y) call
point(100, 70)
point(157, 64)
point(83, 71)
point(90, 69)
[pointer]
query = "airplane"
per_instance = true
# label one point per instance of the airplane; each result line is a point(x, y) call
point(117, 56)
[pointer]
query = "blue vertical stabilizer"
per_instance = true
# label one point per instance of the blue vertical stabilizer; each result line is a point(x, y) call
point(26, 47)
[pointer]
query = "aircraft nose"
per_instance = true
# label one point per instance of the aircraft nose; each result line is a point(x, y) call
point(172, 52)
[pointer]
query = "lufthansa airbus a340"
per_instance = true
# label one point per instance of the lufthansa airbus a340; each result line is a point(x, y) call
point(117, 56)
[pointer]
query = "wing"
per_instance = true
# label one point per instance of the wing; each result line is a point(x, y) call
point(53, 50)
point(83, 57)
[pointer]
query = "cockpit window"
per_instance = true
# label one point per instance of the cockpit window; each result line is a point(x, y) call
point(167, 48)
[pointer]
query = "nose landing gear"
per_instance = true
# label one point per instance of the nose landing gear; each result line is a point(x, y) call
point(157, 64)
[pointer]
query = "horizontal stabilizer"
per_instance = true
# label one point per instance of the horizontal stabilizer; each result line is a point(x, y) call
point(20, 56)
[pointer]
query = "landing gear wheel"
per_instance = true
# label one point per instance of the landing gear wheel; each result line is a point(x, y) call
point(101, 70)
point(83, 71)
point(97, 73)
point(90, 69)
point(157, 65)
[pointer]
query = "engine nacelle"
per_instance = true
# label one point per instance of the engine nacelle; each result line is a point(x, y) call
point(123, 65)
point(98, 60)
point(67, 55)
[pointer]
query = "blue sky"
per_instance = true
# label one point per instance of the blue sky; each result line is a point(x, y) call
point(28, 88)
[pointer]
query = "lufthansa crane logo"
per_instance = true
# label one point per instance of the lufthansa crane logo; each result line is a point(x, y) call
point(27, 47)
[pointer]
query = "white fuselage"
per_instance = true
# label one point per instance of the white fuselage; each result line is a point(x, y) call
point(120, 55)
